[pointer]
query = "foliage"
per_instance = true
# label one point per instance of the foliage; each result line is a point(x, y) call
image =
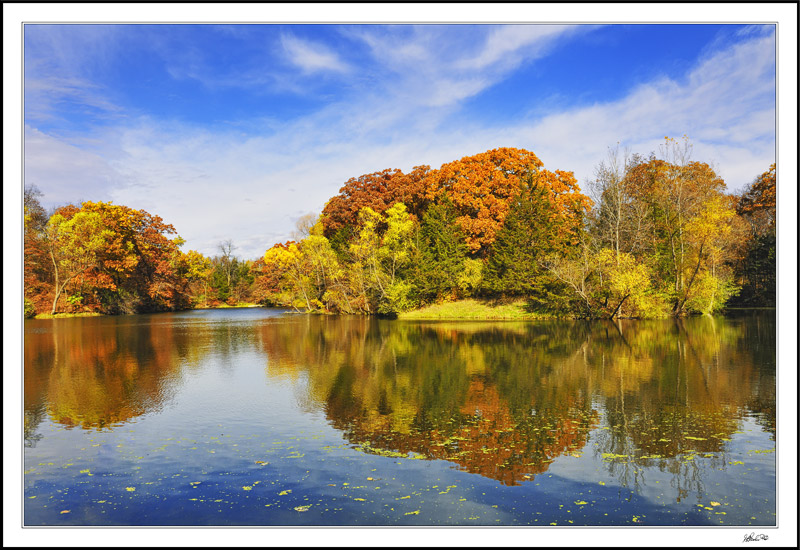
point(377, 191)
point(755, 265)
point(483, 187)
point(661, 237)
point(103, 257)
point(440, 253)
point(538, 225)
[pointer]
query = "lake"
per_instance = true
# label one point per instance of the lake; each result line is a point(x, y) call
point(258, 417)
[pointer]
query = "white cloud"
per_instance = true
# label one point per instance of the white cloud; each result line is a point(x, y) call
point(508, 45)
point(66, 173)
point(311, 57)
point(437, 66)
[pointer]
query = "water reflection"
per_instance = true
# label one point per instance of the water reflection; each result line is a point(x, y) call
point(100, 373)
point(504, 400)
point(501, 400)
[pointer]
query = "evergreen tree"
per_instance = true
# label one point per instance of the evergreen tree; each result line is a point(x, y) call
point(440, 253)
point(526, 238)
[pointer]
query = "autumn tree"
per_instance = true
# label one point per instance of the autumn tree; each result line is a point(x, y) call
point(37, 264)
point(305, 274)
point(378, 191)
point(198, 271)
point(76, 244)
point(677, 192)
point(112, 259)
point(620, 219)
point(755, 265)
point(481, 188)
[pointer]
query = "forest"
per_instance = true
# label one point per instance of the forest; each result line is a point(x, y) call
point(650, 236)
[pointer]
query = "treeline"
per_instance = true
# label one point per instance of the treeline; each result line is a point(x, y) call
point(656, 236)
point(104, 258)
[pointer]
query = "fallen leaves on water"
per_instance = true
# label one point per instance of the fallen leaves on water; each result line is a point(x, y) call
point(414, 513)
point(303, 508)
point(130, 489)
point(285, 492)
point(65, 511)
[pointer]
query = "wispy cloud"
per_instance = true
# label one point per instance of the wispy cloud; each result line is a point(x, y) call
point(312, 57)
point(443, 66)
point(507, 46)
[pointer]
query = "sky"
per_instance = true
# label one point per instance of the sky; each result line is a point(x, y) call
point(234, 131)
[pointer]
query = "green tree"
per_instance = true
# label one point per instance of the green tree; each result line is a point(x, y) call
point(439, 254)
point(516, 263)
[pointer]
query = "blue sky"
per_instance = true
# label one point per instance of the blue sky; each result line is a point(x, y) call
point(235, 131)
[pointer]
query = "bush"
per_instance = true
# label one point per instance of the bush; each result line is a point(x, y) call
point(30, 310)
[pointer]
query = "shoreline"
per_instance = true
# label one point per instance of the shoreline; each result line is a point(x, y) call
point(468, 309)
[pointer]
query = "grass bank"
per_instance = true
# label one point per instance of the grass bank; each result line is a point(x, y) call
point(471, 309)
point(66, 315)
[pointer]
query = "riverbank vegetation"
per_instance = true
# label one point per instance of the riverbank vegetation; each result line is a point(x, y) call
point(649, 237)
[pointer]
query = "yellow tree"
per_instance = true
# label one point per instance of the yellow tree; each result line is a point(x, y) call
point(198, 270)
point(708, 280)
point(75, 244)
point(625, 280)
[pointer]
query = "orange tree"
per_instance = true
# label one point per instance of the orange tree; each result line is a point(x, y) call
point(378, 191)
point(114, 259)
point(483, 188)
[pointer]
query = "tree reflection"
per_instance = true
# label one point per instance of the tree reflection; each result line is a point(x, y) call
point(505, 400)
point(98, 374)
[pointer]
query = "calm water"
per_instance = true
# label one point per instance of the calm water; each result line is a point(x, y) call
point(259, 417)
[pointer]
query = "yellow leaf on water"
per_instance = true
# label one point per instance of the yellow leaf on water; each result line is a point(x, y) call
point(247, 488)
point(414, 513)
point(580, 502)
point(130, 488)
point(65, 511)
point(714, 503)
point(286, 492)
point(303, 508)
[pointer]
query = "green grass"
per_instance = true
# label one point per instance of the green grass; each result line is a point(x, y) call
point(66, 315)
point(471, 309)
